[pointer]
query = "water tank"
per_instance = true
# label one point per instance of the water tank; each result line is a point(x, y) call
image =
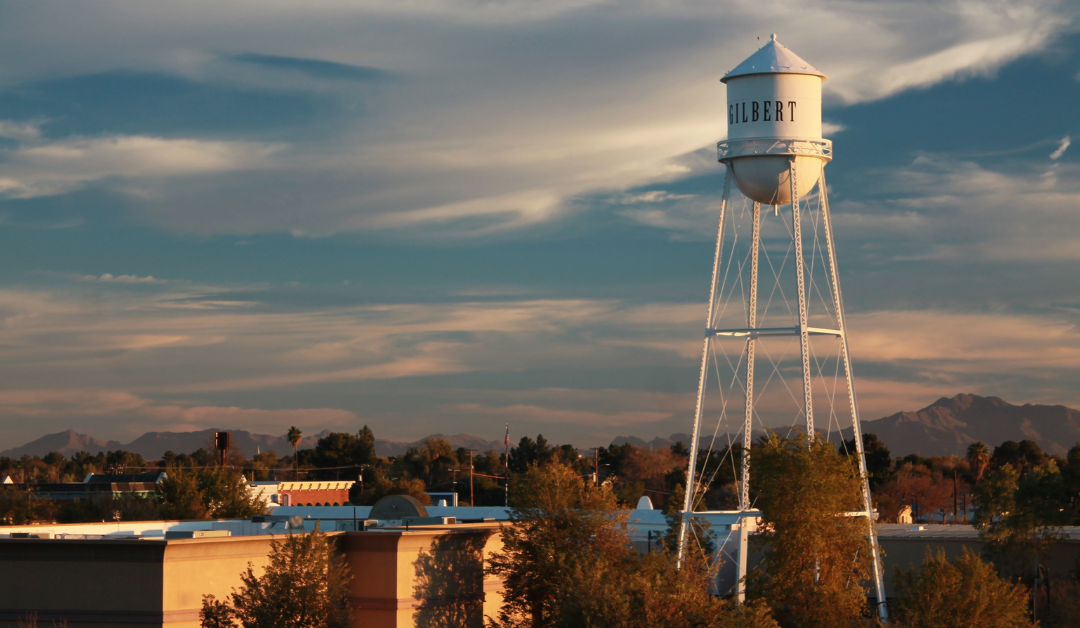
point(774, 115)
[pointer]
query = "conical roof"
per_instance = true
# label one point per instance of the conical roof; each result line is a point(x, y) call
point(773, 58)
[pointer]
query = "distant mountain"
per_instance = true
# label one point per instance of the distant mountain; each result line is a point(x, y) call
point(66, 442)
point(657, 443)
point(945, 427)
point(468, 441)
point(152, 445)
point(948, 426)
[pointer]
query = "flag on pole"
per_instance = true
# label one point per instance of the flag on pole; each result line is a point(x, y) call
point(507, 435)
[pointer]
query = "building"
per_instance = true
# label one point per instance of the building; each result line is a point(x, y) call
point(96, 486)
point(306, 493)
point(408, 572)
point(142, 574)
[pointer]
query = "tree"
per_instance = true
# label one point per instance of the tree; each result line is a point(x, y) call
point(878, 459)
point(1020, 518)
point(294, 435)
point(365, 447)
point(652, 592)
point(18, 506)
point(207, 494)
point(566, 564)
point(530, 453)
point(380, 486)
point(818, 557)
point(978, 455)
point(306, 585)
point(562, 526)
point(965, 593)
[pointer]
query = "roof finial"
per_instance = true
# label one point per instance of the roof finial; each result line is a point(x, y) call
point(774, 36)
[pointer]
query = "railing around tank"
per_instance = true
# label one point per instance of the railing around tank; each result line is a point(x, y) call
point(731, 149)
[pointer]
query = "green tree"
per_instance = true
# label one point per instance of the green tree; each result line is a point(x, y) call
point(965, 593)
point(566, 564)
point(294, 435)
point(207, 494)
point(306, 585)
point(365, 447)
point(878, 459)
point(19, 506)
point(380, 486)
point(978, 456)
point(818, 558)
point(562, 526)
point(1020, 518)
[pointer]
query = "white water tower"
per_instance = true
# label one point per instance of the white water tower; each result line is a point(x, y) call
point(774, 116)
point(776, 156)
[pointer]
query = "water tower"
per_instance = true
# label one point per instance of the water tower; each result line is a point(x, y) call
point(775, 154)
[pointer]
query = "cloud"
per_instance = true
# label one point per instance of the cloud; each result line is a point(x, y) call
point(49, 168)
point(500, 114)
point(942, 208)
point(21, 131)
point(967, 342)
point(110, 278)
point(196, 356)
point(1062, 147)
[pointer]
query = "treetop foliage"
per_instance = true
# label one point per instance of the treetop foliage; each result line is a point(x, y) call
point(305, 585)
point(817, 557)
point(961, 593)
point(566, 563)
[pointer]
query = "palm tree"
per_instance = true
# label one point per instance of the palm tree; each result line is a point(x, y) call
point(294, 438)
point(978, 455)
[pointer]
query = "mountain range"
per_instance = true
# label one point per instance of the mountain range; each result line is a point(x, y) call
point(949, 425)
point(152, 445)
point(945, 427)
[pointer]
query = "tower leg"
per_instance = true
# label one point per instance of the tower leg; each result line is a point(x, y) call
point(751, 322)
point(748, 418)
point(804, 332)
point(838, 303)
point(688, 501)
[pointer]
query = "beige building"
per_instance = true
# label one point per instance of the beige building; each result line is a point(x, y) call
point(426, 576)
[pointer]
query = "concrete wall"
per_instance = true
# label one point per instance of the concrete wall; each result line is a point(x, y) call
point(86, 583)
point(194, 567)
point(429, 577)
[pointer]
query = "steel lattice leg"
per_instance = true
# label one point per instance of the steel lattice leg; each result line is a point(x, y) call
point(804, 332)
point(838, 303)
point(688, 501)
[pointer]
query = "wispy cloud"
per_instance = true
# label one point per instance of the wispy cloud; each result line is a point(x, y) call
point(1062, 147)
point(942, 208)
point(42, 168)
point(481, 135)
point(166, 357)
point(110, 278)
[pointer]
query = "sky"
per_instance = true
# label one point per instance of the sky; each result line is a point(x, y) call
point(440, 217)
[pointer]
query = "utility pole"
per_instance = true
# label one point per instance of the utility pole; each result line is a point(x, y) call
point(596, 465)
point(472, 495)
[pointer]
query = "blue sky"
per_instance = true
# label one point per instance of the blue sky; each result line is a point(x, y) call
point(439, 217)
